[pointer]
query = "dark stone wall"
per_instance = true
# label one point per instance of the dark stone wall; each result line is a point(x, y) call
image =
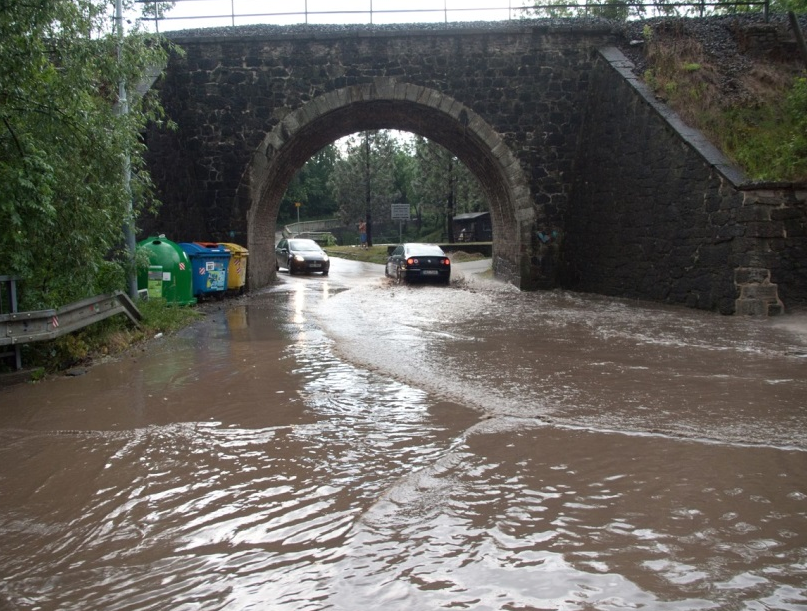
point(775, 216)
point(651, 216)
point(622, 198)
point(226, 93)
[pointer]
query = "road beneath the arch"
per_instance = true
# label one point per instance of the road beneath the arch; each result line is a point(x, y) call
point(348, 443)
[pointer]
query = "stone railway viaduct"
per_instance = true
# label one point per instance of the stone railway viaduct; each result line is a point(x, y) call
point(593, 185)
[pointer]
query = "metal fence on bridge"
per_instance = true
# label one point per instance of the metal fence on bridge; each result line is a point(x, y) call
point(183, 14)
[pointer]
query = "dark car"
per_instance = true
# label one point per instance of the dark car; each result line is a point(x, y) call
point(301, 255)
point(418, 262)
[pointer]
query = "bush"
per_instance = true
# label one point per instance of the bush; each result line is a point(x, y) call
point(770, 140)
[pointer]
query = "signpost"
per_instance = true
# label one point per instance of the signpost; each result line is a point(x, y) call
point(400, 213)
point(297, 205)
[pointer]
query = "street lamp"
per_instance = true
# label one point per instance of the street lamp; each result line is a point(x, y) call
point(298, 205)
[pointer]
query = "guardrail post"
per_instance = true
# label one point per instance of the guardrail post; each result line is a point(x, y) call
point(11, 288)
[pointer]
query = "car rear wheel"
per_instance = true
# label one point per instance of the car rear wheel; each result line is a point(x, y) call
point(400, 275)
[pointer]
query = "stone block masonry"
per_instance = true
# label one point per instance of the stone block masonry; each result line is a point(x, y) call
point(657, 213)
point(592, 184)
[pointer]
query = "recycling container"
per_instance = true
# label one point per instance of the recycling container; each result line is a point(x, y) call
point(209, 267)
point(237, 273)
point(177, 276)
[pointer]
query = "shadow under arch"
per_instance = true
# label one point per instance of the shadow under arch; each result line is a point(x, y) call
point(388, 104)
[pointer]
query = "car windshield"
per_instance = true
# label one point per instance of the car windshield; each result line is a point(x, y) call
point(303, 245)
point(425, 250)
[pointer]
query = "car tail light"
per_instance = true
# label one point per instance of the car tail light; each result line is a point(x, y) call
point(411, 261)
point(446, 261)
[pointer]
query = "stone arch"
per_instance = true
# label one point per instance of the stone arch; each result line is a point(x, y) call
point(388, 104)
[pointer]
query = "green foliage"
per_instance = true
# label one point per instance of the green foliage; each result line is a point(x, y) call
point(443, 186)
point(162, 317)
point(619, 10)
point(770, 140)
point(63, 198)
point(310, 187)
point(783, 6)
point(363, 180)
point(765, 131)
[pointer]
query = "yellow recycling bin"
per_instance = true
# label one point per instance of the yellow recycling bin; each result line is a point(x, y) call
point(237, 272)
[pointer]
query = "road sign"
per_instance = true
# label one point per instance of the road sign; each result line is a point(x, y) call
point(400, 212)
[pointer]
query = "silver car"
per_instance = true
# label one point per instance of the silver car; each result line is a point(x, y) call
point(301, 255)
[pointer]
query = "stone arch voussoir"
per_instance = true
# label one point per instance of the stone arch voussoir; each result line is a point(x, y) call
point(386, 103)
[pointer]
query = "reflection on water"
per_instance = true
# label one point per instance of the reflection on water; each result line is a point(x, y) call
point(521, 517)
point(617, 456)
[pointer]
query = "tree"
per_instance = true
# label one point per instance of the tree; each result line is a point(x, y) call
point(610, 9)
point(63, 197)
point(363, 180)
point(783, 6)
point(444, 186)
point(310, 187)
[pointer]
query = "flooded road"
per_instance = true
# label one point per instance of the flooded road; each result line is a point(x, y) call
point(345, 443)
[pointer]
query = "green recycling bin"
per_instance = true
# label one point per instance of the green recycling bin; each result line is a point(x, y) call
point(177, 274)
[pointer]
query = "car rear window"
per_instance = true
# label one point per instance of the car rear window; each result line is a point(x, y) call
point(427, 250)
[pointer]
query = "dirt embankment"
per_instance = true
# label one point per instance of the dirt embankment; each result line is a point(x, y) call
point(742, 57)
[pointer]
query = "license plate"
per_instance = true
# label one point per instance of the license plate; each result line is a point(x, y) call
point(430, 272)
point(315, 265)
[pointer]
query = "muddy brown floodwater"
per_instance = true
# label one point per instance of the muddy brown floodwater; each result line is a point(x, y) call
point(345, 443)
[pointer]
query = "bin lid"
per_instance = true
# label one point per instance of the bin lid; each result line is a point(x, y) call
point(192, 248)
point(235, 248)
point(163, 252)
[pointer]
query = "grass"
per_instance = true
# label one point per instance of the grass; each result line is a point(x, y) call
point(373, 254)
point(762, 128)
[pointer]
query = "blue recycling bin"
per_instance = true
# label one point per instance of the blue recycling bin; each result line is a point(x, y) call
point(209, 267)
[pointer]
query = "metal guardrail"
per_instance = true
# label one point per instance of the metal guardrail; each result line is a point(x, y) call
point(41, 325)
point(325, 225)
point(451, 11)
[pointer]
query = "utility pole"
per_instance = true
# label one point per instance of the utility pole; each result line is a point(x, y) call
point(367, 199)
point(450, 201)
point(128, 222)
